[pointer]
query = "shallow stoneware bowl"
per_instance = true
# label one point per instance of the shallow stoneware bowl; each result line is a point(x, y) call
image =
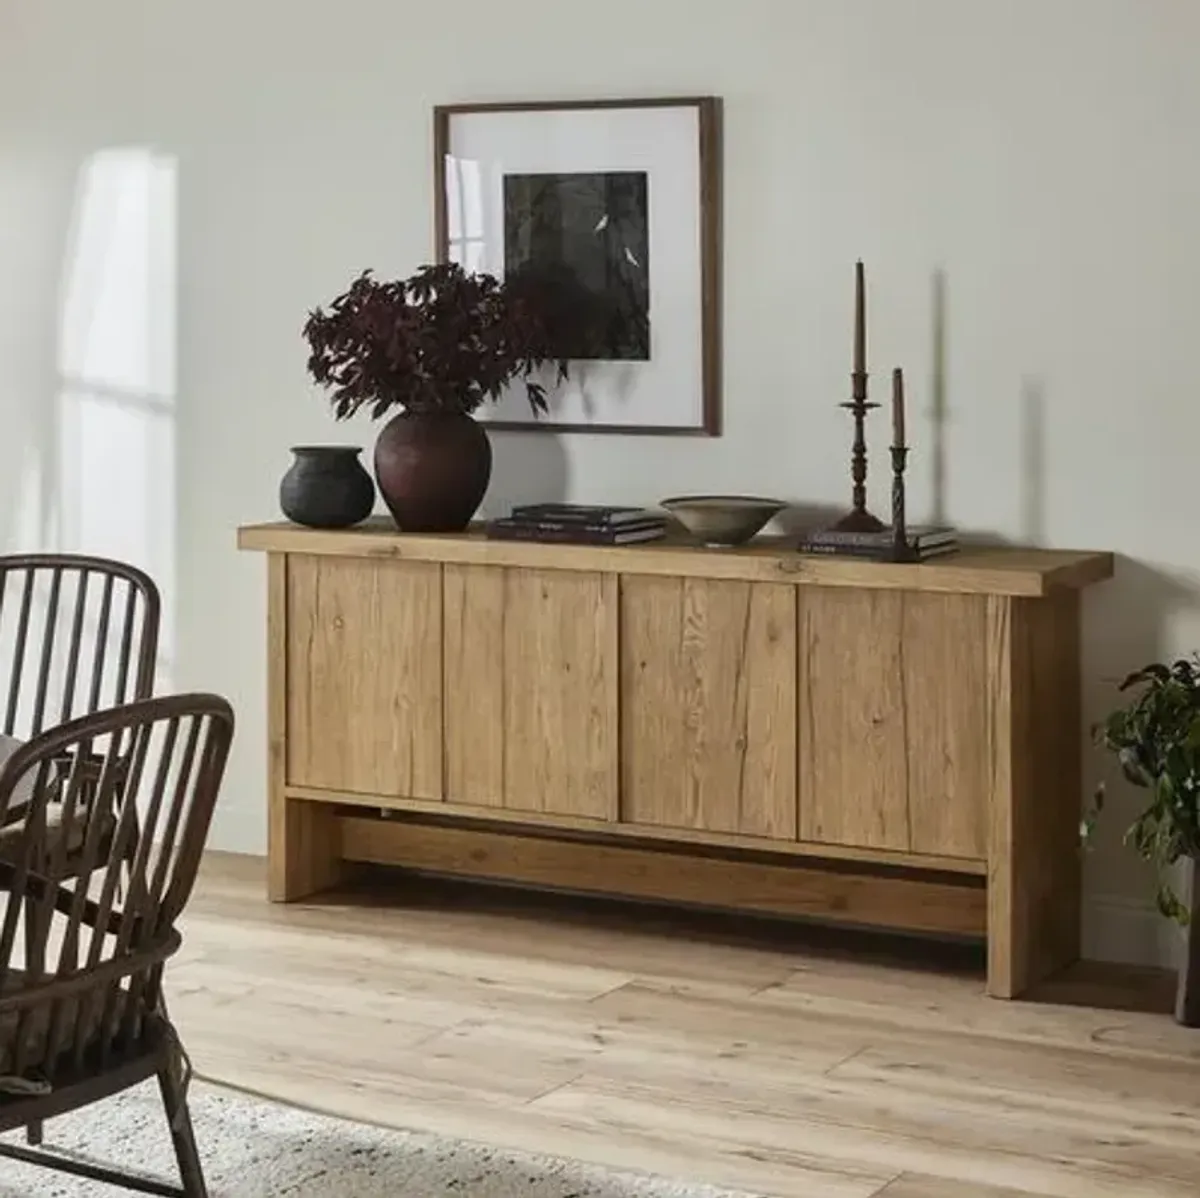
point(722, 520)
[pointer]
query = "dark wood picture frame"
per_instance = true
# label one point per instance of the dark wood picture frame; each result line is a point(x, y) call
point(709, 115)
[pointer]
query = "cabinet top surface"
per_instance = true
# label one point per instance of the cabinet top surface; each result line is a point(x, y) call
point(980, 570)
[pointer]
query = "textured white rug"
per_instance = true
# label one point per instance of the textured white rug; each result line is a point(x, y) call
point(254, 1149)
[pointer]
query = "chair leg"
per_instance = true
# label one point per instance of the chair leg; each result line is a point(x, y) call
point(183, 1137)
point(35, 963)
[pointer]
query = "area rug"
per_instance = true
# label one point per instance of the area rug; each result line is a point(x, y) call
point(254, 1149)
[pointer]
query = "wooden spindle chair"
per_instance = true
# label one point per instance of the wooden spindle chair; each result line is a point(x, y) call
point(92, 1022)
point(77, 634)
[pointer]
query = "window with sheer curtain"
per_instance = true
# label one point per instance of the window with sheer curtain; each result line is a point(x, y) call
point(115, 467)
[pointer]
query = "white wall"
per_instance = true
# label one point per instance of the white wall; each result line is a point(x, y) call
point(1041, 153)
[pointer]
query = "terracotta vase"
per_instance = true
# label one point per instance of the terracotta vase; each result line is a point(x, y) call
point(326, 486)
point(433, 470)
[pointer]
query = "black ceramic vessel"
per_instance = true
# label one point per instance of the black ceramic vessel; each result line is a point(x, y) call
point(326, 486)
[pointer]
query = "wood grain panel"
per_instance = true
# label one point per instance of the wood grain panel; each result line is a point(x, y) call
point(893, 721)
point(1034, 867)
point(494, 816)
point(365, 676)
point(853, 783)
point(708, 705)
point(302, 838)
point(473, 685)
point(540, 653)
point(940, 903)
point(560, 709)
point(945, 672)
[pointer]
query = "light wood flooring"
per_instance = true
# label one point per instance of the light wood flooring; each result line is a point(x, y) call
point(773, 1060)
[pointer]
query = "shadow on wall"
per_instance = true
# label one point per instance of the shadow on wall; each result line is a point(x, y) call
point(938, 412)
point(1033, 461)
point(1032, 416)
point(1032, 432)
point(526, 468)
point(800, 518)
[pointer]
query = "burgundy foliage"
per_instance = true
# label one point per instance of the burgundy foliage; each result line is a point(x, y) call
point(440, 341)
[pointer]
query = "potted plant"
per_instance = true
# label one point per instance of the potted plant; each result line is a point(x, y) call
point(435, 346)
point(1156, 739)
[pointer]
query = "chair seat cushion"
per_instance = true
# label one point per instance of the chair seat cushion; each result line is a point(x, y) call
point(23, 791)
point(34, 1035)
point(57, 826)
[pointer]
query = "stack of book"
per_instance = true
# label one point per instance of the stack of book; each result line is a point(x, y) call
point(924, 542)
point(579, 524)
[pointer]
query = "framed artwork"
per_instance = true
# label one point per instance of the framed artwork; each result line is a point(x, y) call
point(618, 202)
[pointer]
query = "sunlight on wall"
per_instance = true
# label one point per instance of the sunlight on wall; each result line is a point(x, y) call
point(114, 473)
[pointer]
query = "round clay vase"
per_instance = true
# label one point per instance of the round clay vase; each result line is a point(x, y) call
point(326, 486)
point(433, 469)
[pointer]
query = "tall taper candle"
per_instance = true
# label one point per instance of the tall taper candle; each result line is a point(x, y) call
point(860, 321)
point(898, 408)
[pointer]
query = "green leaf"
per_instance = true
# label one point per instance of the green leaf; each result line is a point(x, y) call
point(1192, 739)
point(1155, 672)
point(1155, 738)
point(1169, 905)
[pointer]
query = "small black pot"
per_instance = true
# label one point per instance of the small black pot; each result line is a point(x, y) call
point(326, 486)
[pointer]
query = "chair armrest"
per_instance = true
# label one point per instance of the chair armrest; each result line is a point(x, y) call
point(64, 898)
point(93, 977)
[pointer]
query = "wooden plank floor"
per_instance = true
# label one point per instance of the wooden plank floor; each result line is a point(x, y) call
point(752, 1056)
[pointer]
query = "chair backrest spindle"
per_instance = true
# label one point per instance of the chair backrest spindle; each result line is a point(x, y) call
point(77, 634)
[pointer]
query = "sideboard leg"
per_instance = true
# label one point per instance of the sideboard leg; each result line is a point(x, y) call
point(303, 849)
point(303, 846)
point(1034, 874)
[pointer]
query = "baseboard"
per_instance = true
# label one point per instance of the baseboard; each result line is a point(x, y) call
point(238, 830)
point(1129, 932)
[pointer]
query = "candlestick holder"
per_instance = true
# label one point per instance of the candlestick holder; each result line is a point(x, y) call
point(902, 551)
point(858, 519)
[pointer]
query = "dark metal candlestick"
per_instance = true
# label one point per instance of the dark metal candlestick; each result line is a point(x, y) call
point(901, 550)
point(858, 519)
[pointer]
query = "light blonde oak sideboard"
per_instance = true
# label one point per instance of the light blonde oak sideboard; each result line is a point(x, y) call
point(895, 746)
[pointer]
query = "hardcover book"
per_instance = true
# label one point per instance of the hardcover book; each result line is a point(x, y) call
point(566, 533)
point(880, 552)
point(919, 536)
point(581, 513)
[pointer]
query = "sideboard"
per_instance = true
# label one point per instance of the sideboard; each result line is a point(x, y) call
point(887, 745)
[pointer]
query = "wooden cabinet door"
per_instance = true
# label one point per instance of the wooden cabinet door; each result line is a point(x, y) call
point(364, 676)
point(708, 705)
point(893, 720)
point(531, 690)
